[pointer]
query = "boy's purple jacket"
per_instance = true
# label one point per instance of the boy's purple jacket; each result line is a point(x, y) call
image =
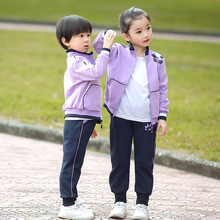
point(120, 68)
point(82, 88)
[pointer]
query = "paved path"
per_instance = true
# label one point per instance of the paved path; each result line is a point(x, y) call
point(29, 187)
point(159, 35)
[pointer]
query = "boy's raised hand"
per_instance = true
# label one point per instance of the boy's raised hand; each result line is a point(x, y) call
point(109, 39)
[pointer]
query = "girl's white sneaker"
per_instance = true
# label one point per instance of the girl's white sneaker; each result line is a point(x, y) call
point(141, 212)
point(119, 210)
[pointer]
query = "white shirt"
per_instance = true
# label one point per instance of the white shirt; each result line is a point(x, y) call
point(135, 102)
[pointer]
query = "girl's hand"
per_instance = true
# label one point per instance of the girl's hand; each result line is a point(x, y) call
point(109, 39)
point(94, 134)
point(163, 125)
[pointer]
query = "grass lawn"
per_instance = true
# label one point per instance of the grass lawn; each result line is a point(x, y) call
point(181, 15)
point(31, 81)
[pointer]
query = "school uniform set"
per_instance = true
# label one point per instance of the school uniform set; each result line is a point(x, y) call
point(135, 97)
point(82, 108)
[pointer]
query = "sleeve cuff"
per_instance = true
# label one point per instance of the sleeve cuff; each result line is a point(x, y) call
point(105, 50)
point(162, 117)
point(106, 31)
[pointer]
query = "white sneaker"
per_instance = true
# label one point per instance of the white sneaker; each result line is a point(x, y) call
point(80, 202)
point(75, 212)
point(141, 212)
point(119, 210)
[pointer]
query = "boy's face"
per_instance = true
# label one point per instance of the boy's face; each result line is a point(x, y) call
point(80, 42)
point(140, 33)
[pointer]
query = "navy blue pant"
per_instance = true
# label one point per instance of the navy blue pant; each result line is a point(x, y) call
point(122, 132)
point(75, 139)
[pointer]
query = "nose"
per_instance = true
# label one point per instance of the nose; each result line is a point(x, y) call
point(145, 33)
point(86, 39)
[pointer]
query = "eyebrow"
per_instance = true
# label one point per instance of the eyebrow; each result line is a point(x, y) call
point(140, 27)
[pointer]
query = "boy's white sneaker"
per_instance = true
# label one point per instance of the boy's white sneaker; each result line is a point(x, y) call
point(141, 212)
point(80, 202)
point(119, 210)
point(76, 212)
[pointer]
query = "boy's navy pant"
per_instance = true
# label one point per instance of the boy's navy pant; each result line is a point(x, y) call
point(75, 139)
point(122, 132)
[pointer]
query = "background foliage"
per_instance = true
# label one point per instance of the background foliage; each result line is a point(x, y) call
point(181, 15)
point(32, 65)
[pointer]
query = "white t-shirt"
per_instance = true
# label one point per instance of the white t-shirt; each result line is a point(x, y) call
point(135, 102)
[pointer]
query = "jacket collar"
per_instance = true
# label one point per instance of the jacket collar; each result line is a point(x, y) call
point(71, 50)
point(132, 48)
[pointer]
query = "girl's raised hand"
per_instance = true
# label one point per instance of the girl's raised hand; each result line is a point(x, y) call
point(109, 39)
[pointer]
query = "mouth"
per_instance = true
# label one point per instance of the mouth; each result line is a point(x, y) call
point(86, 46)
point(146, 41)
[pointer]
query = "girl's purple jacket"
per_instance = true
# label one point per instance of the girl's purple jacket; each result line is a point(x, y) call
point(120, 68)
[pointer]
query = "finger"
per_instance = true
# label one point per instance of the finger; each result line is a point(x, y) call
point(112, 34)
point(95, 133)
point(158, 128)
point(92, 135)
point(164, 131)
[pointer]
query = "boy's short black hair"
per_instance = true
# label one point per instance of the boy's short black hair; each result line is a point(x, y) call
point(71, 25)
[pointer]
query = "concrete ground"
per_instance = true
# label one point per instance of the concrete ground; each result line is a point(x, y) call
point(30, 185)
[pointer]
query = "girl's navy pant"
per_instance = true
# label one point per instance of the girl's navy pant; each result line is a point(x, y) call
point(122, 133)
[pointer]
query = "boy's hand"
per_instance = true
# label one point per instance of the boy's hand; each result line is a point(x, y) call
point(163, 125)
point(94, 134)
point(109, 39)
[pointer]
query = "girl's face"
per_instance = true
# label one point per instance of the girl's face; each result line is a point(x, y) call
point(139, 34)
point(80, 42)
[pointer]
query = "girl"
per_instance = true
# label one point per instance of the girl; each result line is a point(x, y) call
point(82, 105)
point(136, 98)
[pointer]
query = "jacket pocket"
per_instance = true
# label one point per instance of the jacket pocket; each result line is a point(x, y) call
point(155, 103)
point(115, 89)
point(92, 98)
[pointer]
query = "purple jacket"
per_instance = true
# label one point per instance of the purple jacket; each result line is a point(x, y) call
point(82, 88)
point(120, 68)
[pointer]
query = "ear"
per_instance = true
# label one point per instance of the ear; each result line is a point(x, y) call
point(126, 37)
point(64, 41)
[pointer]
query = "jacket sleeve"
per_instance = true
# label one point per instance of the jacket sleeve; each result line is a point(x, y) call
point(98, 45)
point(85, 71)
point(163, 81)
point(98, 42)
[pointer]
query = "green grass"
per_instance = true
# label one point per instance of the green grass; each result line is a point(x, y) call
point(181, 15)
point(31, 81)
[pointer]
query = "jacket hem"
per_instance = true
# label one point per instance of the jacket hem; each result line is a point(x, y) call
point(82, 113)
point(108, 109)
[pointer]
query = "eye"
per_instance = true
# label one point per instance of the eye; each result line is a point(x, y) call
point(81, 35)
point(88, 35)
point(138, 32)
point(148, 28)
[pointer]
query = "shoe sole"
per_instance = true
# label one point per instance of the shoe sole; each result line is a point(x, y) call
point(139, 218)
point(117, 216)
point(76, 218)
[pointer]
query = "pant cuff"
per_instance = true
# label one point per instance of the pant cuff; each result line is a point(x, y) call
point(68, 201)
point(142, 199)
point(120, 197)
